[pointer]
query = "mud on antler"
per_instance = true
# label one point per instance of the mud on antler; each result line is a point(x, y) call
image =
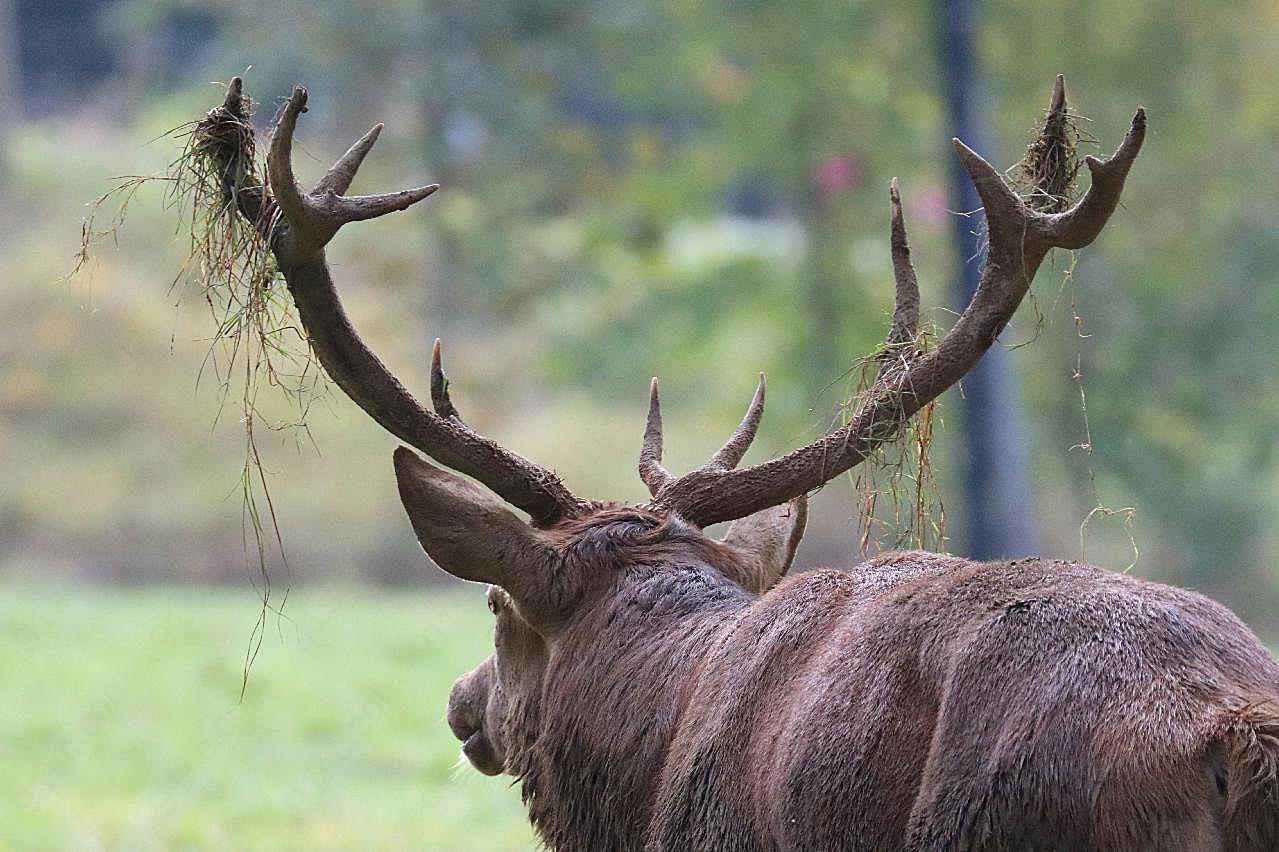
point(1020, 237)
point(298, 225)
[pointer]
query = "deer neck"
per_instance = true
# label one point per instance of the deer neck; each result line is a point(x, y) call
point(620, 680)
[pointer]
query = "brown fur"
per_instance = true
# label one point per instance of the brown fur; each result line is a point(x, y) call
point(916, 702)
point(653, 689)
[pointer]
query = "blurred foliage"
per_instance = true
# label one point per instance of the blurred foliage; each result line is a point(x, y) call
point(696, 191)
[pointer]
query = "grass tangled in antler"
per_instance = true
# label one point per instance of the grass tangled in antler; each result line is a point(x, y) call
point(1046, 179)
point(226, 212)
point(900, 471)
point(1046, 175)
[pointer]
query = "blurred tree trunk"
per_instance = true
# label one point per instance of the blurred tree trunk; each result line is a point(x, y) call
point(10, 84)
point(998, 508)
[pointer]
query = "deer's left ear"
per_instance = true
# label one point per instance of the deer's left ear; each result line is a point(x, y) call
point(766, 542)
point(472, 535)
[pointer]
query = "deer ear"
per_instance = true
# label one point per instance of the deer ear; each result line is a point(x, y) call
point(767, 541)
point(469, 532)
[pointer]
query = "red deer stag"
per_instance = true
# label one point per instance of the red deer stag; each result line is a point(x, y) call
point(656, 689)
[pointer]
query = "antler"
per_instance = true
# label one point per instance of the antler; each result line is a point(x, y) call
point(725, 458)
point(1020, 239)
point(298, 237)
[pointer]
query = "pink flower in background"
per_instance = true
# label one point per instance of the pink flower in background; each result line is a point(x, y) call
point(929, 207)
point(836, 175)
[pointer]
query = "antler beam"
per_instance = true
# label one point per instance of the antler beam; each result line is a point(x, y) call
point(1020, 239)
point(307, 221)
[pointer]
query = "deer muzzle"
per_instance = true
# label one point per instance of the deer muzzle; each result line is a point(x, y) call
point(467, 715)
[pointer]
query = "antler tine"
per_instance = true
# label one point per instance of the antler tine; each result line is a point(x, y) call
point(1020, 239)
point(234, 94)
point(339, 176)
point(651, 471)
point(1057, 103)
point(279, 166)
point(728, 456)
point(440, 386)
point(228, 125)
point(357, 208)
point(1080, 225)
point(1006, 214)
point(1048, 165)
point(315, 217)
point(906, 302)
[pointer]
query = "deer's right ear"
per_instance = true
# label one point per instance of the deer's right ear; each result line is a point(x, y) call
point(469, 532)
point(766, 541)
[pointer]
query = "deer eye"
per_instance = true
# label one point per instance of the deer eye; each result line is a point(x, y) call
point(496, 600)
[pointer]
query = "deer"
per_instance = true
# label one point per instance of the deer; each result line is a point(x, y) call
point(655, 688)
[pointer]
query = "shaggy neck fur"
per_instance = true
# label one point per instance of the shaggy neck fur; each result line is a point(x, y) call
point(620, 677)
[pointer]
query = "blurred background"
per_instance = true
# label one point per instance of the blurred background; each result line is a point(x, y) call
point(696, 191)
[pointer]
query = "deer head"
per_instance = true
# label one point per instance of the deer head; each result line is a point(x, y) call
point(568, 560)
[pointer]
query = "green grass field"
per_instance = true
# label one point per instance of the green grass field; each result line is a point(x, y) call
point(121, 725)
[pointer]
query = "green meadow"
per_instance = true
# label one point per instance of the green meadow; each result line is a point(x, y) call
point(122, 724)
